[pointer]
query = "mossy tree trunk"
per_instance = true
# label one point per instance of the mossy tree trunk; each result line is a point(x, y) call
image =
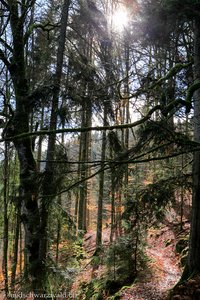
point(33, 221)
point(19, 123)
point(15, 246)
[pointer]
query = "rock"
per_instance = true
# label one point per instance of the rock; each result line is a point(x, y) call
point(177, 297)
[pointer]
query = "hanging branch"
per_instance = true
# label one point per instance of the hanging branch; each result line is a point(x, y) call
point(47, 27)
point(84, 129)
point(166, 110)
point(106, 167)
point(173, 71)
point(190, 92)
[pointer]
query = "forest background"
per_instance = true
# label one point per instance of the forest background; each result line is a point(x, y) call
point(100, 128)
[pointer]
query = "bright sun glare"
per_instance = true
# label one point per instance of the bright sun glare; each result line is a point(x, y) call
point(120, 19)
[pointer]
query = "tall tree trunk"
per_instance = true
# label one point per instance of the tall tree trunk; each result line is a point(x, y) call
point(15, 246)
point(21, 263)
point(18, 124)
point(193, 264)
point(85, 150)
point(39, 151)
point(113, 224)
point(101, 185)
point(5, 231)
point(82, 205)
point(127, 119)
point(58, 233)
point(48, 186)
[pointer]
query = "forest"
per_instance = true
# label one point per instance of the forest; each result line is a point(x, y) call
point(100, 149)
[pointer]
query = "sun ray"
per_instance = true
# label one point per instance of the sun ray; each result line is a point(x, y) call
point(119, 18)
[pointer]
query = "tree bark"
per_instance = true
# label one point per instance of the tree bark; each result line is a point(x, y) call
point(5, 230)
point(15, 246)
point(48, 186)
point(101, 186)
point(193, 263)
point(84, 171)
point(18, 124)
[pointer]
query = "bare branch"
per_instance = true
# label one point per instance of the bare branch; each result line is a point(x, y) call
point(4, 59)
point(3, 42)
point(4, 3)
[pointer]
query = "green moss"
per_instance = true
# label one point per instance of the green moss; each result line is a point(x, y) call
point(190, 92)
point(93, 290)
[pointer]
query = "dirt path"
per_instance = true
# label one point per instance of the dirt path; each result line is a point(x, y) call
point(163, 271)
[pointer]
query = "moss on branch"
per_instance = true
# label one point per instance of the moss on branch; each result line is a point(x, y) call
point(44, 27)
point(84, 129)
point(190, 92)
point(157, 82)
point(172, 72)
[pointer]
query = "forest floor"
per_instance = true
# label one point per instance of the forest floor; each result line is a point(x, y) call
point(161, 273)
point(159, 276)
